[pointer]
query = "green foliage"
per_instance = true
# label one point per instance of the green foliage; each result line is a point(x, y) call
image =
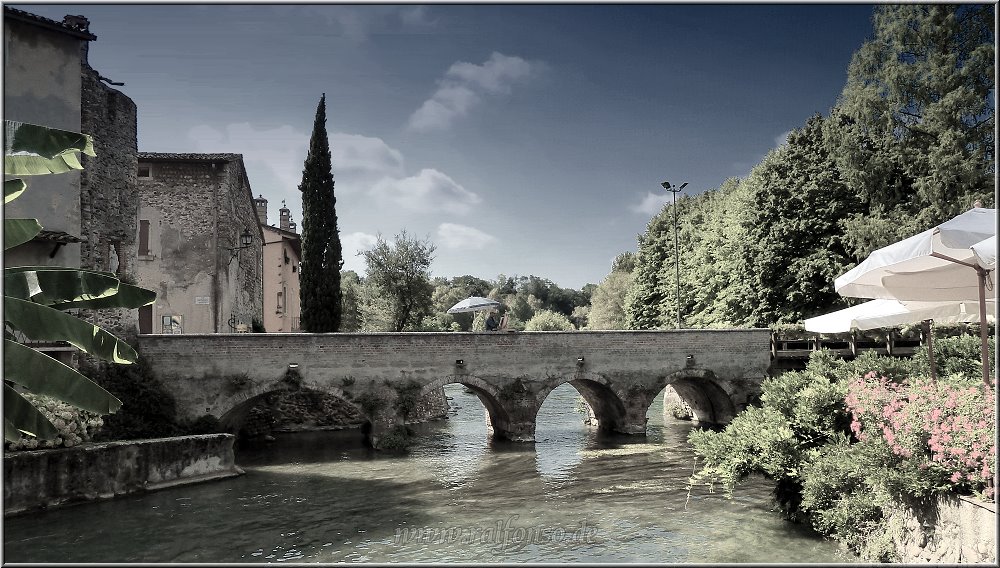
point(34, 296)
point(396, 439)
point(546, 320)
point(149, 410)
point(322, 254)
point(959, 355)
point(607, 303)
point(370, 402)
point(350, 297)
point(399, 292)
point(407, 398)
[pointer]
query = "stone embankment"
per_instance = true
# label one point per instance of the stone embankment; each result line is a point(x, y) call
point(948, 530)
point(42, 479)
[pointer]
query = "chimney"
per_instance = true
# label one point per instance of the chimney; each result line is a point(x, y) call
point(82, 24)
point(284, 217)
point(261, 205)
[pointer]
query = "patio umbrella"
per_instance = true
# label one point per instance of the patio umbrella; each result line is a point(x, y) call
point(986, 253)
point(889, 313)
point(938, 264)
point(473, 304)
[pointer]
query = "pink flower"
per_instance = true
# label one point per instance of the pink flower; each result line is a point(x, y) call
point(955, 477)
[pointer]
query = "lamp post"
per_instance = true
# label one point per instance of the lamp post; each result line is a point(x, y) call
point(246, 240)
point(677, 263)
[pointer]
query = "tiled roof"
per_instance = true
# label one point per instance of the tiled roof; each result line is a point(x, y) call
point(190, 157)
point(23, 16)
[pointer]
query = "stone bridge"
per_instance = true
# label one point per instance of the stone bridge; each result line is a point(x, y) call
point(385, 375)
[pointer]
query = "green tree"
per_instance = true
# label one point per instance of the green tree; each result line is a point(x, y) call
point(350, 294)
point(322, 255)
point(914, 125)
point(607, 304)
point(398, 281)
point(35, 297)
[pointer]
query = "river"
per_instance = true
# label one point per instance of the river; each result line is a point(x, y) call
point(573, 496)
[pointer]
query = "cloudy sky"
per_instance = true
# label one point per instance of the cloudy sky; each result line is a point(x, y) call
point(520, 139)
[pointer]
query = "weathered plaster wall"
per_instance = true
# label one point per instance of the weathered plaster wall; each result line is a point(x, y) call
point(41, 85)
point(280, 275)
point(241, 279)
point(947, 530)
point(52, 478)
point(109, 195)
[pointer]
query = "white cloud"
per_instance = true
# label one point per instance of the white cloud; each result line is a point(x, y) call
point(464, 85)
point(428, 191)
point(281, 150)
point(453, 236)
point(352, 245)
point(364, 153)
point(651, 204)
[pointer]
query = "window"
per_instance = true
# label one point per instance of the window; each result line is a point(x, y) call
point(280, 306)
point(144, 237)
point(146, 319)
point(145, 171)
point(172, 324)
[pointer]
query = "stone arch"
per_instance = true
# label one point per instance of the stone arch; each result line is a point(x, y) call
point(605, 402)
point(233, 412)
point(489, 396)
point(709, 402)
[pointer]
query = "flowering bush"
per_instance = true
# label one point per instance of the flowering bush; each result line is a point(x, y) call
point(945, 428)
point(75, 426)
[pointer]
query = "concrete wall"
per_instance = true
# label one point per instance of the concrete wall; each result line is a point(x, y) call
point(197, 208)
point(42, 85)
point(52, 478)
point(947, 530)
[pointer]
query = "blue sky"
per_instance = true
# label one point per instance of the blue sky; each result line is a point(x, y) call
point(520, 139)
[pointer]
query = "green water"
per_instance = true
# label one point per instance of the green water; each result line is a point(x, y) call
point(573, 496)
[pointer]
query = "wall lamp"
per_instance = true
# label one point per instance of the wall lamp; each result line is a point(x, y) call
point(579, 360)
point(246, 240)
point(460, 362)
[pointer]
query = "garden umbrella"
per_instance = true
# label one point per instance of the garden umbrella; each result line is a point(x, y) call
point(473, 304)
point(938, 264)
point(888, 313)
point(986, 253)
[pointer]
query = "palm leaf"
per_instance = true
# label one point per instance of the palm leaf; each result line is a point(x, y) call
point(12, 189)
point(24, 416)
point(10, 432)
point(42, 374)
point(19, 231)
point(43, 323)
point(30, 149)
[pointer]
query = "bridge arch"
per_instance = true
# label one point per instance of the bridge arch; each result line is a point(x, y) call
point(605, 402)
point(234, 411)
point(708, 400)
point(489, 396)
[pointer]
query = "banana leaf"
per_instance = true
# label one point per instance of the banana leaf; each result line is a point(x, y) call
point(43, 323)
point(12, 189)
point(42, 374)
point(10, 432)
point(19, 231)
point(24, 416)
point(30, 149)
point(124, 296)
point(47, 286)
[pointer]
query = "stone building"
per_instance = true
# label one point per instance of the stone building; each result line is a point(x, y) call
point(199, 244)
point(89, 216)
point(282, 255)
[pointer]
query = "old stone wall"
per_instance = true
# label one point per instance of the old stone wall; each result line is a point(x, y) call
point(52, 478)
point(947, 530)
point(109, 195)
point(242, 279)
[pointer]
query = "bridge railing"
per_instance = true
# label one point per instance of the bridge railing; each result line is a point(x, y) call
point(792, 349)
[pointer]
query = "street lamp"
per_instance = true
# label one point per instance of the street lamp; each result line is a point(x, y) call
point(677, 264)
point(246, 240)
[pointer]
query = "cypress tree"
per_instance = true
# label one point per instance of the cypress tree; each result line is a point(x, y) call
point(322, 255)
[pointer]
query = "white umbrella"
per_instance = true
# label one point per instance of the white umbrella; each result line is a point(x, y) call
point(889, 313)
point(935, 265)
point(986, 253)
point(473, 304)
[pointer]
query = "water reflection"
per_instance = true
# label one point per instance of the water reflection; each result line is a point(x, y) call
point(574, 496)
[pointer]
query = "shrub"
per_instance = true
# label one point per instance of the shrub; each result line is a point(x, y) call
point(148, 410)
point(546, 320)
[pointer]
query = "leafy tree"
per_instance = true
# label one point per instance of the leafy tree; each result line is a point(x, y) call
point(914, 125)
point(34, 297)
point(322, 255)
point(350, 294)
point(607, 304)
point(399, 291)
point(547, 320)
